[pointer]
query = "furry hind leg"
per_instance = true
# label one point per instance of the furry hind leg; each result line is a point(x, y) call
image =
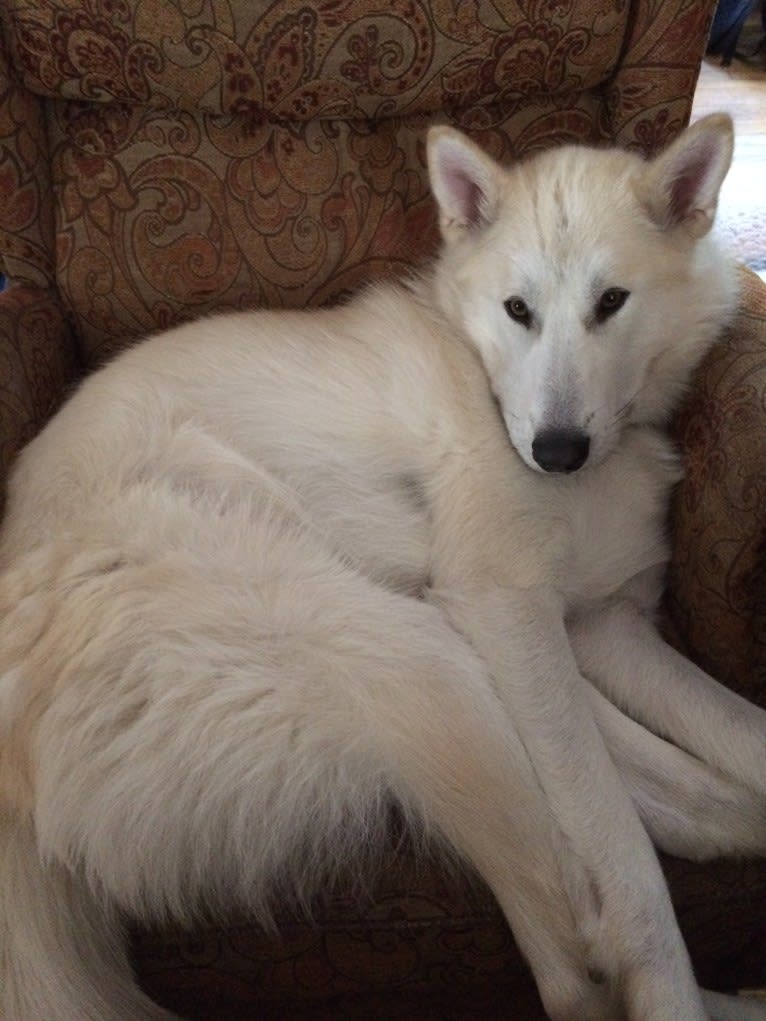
point(454, 760)
point(62, 952)
point(733, 1008)
point(204, 750)
point(216, 750)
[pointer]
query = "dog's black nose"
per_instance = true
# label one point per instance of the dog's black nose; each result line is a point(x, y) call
point(561, 450)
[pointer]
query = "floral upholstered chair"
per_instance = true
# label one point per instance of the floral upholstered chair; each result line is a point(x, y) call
point(160, 159)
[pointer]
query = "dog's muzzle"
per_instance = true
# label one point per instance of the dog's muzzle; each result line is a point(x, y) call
point(561, 450)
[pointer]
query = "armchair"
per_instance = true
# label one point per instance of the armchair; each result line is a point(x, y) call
point(160, 159)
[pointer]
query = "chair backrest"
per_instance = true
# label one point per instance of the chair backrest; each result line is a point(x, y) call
point(162, 159)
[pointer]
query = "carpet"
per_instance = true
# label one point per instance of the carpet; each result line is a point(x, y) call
point(742, 210)
point(741, 219)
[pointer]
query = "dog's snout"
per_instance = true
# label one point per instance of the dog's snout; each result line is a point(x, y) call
point(561, 450)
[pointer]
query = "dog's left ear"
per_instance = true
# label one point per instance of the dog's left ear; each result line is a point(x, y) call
point(680, 187)
point(465, 181)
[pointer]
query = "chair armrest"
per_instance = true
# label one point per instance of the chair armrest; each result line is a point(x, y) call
point(649, 99)
point(717, 583)
point(38, 362)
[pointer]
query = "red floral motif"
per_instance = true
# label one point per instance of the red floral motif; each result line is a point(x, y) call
point(259, 189)
point(366, 51)
point(381, 63)
point(180, 238)
point(378, 157)
point(92, 48)
point(408, 51)
point(90, 180)
point(89, 176)
point(251, 116)
point(531, 60)
point(288, 134)
point(654, 132)
point(464, 22)
point(238, 76)
point(98, 129)
point(534, 58)
point(286, 55)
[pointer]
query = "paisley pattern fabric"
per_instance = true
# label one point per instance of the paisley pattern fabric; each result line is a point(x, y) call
point(429, 944)
point(421, 930)
point(273, 154)
point(297, 61)
point(38, 362)
point(26, 203)
point(163, 158)
point(718, 574)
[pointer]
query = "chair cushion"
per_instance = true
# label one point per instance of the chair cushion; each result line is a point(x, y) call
point(297, 61)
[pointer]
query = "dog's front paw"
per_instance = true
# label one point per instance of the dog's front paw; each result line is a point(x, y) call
point(734, 1008)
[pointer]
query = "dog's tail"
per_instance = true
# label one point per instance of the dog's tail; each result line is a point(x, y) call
point(62, 952)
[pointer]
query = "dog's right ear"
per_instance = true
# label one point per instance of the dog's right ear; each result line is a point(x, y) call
point(680, 187)
point(465, 181)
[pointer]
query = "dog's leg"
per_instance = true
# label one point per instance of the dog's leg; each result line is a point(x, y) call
point(733, 1008)
point(537, 678)
point(689, 808)
point(456, 761)
point(619, 648)
point(497, 584)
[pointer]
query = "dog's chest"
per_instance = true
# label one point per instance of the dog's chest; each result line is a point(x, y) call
point(618, 518)
point(584, 535)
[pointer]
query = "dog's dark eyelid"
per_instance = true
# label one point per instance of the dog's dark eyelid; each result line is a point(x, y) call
point(611, 301)
point(518, 310)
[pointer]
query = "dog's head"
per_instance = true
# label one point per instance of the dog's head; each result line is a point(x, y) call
point(587, 279)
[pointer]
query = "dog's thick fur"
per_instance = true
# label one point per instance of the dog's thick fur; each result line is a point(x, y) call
point(269, 573)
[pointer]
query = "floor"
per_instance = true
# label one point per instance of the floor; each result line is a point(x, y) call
point(741, 91)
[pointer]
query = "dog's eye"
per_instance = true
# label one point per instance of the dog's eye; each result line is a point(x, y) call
point(611, 301)
point(518, 310)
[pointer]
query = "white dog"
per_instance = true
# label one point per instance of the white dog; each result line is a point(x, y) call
point(269, 573)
